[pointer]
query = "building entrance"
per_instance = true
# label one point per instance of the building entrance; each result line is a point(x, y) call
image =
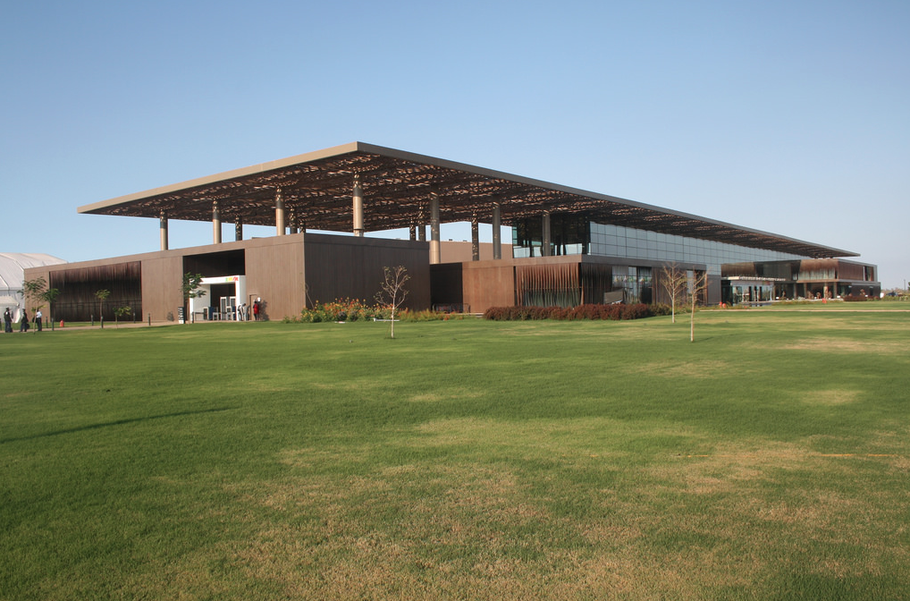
point(220, 301)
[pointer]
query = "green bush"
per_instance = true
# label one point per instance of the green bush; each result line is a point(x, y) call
point(591, 312)
point(347, 309)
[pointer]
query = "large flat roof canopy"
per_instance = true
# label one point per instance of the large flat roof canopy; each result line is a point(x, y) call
point(397, 185)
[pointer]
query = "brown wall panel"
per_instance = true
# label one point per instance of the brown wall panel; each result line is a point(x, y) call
point(340, 267)
point(162, 279)
point(850, 271)
point(488, 284)
point(275, 272)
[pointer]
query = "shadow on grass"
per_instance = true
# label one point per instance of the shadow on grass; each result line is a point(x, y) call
point(118, 422)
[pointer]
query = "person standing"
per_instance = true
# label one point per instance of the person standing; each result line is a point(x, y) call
point(23, 321)
point(38, 317)
point(7, 321)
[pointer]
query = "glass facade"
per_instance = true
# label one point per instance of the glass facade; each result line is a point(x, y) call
point(628, 243)
point(635, 281)
point(575, 235)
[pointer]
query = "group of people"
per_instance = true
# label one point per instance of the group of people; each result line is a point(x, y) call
point(244, 312)
point(23, 320)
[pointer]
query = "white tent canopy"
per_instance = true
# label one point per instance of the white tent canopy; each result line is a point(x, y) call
point(12, 275)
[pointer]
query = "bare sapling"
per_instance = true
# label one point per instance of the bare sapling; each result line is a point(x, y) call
point(699, 284)
point(674, 282)
point(392, 292)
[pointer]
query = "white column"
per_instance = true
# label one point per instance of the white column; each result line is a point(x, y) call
point(162, 229)
point(435, 248)
point(279, 214)
point(358, 207)
point(216, 223)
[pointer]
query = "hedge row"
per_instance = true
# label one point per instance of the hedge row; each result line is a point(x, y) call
point(347, 309)
point(608, 312)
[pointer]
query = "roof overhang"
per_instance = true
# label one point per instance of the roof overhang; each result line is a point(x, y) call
point(397, 188)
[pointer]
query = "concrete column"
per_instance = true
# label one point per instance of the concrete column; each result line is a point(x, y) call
point(421, 224)
point(162, 229)
point(279, 214)
point(216, 223)
point(238, 228)
point(475, 238)
point(497, 234)
point(545, 248)
point(435, 247)
point(358, 207)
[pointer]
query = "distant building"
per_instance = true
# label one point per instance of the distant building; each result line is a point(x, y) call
point(568, 246)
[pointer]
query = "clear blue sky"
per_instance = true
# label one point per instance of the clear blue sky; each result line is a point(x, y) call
point(786, 116)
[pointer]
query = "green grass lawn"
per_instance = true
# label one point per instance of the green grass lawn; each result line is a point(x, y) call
point(887, 304)
point(464, 459)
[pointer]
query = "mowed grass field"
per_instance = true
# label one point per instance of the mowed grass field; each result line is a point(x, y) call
point(466, 459)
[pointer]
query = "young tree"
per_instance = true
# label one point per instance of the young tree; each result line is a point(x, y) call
point(393, 292)
point(102, 295)
point(697, 287)
point(191, 289)
point(674, 281)
point(33, 291)
point(121, 312)
point(38, 293)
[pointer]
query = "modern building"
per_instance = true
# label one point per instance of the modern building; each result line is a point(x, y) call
point(568, 246)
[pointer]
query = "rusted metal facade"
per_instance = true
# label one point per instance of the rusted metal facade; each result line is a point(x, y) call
point(78, 288)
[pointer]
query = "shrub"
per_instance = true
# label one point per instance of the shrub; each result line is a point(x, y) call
point(591, 312)
point(357, 310)
point(661, 309)
point(424, 315)
point(339, 310)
